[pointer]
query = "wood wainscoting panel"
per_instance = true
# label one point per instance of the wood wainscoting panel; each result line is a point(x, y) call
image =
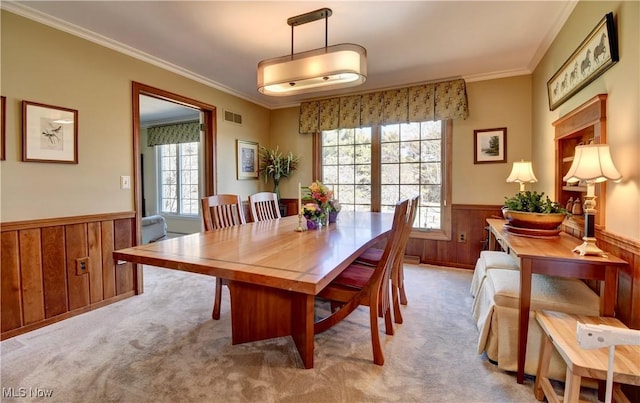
point(628, 306)
point(54, 271)
point(11, 297)
point(123, 237)
point(466, 219)
point(43, 280)
point(108, 266)
point(78, 284)
point(31, 276)
point(94, 238)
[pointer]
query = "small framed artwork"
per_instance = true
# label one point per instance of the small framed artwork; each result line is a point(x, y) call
point(49, 133)
point(247, 159)
point(490, 145)
point(3, 112)
point(595, 55)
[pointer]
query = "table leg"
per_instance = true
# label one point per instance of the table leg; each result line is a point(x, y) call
point(542, 375)
point(260, 312)
point(302, 318)
point(523, 321)
point(608, 295)
point(572, 387)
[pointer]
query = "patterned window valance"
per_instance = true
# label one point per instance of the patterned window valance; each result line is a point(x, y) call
point(186, 132)
point(434, 101)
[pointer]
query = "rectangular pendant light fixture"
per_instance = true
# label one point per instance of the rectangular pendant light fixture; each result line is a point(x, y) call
point(331, 67)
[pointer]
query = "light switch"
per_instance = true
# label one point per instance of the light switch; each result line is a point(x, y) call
point(125, 182)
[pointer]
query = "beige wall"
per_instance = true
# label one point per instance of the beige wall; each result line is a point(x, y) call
point(44, 65)
point(622, 84)
point(492, 103)
point(284, 134)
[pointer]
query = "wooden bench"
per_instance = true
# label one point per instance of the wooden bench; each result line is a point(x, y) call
point(560, 332)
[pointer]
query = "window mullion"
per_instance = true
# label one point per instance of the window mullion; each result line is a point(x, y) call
point(376, 169)
point(179, 177)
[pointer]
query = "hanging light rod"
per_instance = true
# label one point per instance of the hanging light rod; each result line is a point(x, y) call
point(309, 17)
point(331, 67)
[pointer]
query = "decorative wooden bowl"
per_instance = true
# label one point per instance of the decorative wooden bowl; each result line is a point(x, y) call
point(543, 221)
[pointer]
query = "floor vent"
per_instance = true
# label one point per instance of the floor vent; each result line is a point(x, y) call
point(232, 117)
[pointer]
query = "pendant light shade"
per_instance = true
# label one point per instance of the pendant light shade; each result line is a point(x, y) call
point(337, 66)
point(331, 67)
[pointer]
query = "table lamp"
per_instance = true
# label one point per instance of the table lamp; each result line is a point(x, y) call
point(522, 172)
point(592, 164)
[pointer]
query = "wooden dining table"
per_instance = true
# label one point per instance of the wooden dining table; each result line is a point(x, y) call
point(274, 272)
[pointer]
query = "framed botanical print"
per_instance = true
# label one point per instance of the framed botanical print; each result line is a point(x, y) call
point(247, 159)
point(49, 133)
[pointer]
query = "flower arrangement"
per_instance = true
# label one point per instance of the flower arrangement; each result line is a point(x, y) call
point(323, 196)
point(324, 207)
point(312, 211)
point(275, 165)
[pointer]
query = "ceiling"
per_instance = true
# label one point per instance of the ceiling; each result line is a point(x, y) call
point(220, 43)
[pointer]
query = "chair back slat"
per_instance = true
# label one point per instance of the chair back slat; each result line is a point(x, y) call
point(264, 206)
point(221, 211)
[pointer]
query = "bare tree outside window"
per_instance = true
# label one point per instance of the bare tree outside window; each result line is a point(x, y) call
point(410, 156)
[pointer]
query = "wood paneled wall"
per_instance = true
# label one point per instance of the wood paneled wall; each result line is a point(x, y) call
point(41, 283)
point(53, 269)
point(469, 220)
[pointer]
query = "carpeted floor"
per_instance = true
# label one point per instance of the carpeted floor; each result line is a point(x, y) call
point(162, 346)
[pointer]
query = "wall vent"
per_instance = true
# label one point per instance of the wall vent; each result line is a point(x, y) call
point(232, 117)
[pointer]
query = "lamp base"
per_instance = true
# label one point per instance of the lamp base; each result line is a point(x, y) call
point(588, 247)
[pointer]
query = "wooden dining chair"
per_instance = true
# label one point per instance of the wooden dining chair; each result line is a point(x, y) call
point(264, 206)
point(373, 255)
point(359, 285)
point(221, 211)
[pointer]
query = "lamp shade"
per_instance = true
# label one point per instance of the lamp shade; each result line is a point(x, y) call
point(592, 163)
point(522, 172)
point(331, 67)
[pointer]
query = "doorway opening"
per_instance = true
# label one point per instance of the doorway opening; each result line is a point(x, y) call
point(153, 106)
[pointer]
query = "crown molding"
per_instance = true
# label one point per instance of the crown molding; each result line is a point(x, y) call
point(54, 22)
point(552, 34)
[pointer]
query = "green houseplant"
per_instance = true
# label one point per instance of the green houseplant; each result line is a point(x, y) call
point(533, 210)
point(275, 165)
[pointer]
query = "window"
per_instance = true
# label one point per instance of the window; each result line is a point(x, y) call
point(179, 181)
point(371, 168)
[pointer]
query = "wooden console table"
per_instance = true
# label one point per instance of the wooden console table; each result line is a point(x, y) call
point(552, 257)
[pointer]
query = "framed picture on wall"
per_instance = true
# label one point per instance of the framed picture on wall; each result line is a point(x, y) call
point(3, 112)
point(490, 145)
point(49, 133)
point(595, 55)
point(247, 159)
